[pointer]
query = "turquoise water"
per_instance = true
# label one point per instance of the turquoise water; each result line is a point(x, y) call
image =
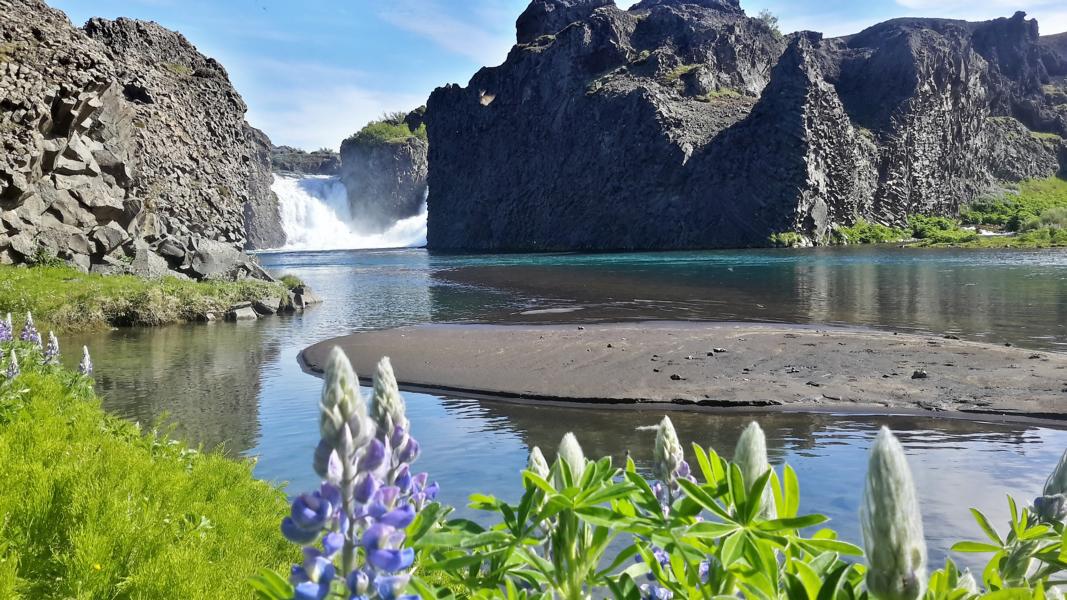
point(239, 385)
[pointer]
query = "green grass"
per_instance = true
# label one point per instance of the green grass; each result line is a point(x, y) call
point(865, 232)
point(92, 508)
point(66, 299)
point(676, 73)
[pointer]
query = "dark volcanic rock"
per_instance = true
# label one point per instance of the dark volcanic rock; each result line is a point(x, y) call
point(286, 159)
point(686, 124)
point(123, 134)
point(385, 178)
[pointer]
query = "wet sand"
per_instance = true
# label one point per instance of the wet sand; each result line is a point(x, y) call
point(715, 364)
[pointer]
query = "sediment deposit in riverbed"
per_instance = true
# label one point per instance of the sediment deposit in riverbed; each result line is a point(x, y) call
point(715, 364)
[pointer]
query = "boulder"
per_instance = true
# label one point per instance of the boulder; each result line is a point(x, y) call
point(241, 312)
point(108, 237)
point(148, 264)
point(302, 297)
point(267, 306)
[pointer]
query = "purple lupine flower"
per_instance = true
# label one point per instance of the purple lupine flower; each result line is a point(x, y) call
point(51, 351)
point(13, 367)
point(29, 331)
point(85, 367)
point(7, 332)
point(369, 495)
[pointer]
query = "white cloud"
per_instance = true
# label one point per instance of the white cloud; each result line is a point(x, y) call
point(485, 43)
point(317, 117)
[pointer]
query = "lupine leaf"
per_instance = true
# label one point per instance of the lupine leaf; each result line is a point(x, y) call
point(974, 547)
point(270, 585)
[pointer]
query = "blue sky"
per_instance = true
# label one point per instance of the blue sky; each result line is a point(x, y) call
point(314, 71)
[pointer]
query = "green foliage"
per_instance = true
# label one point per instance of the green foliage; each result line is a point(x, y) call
point(721, 94)
point(94, 508)
point(770, 20)
point(1010, 211)
point(67, 299)
point(677, 72)
point(786, 239)
point(865, 232)
point(939, 230)
point(390, 129)
point(45, 257)
point(1052, 218)
point(1044, 135)
point(291, 281)
point(707, 539)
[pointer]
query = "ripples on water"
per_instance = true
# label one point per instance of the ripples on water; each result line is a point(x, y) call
point(239, 384)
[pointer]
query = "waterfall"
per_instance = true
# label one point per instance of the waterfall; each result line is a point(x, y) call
point(315, 216)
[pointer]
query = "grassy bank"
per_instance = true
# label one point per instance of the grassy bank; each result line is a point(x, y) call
point(1034, 216)
point(67, 299)
point(93, 508)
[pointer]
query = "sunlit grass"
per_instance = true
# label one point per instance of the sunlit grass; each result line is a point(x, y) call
point(91, 508)
point(66, 299)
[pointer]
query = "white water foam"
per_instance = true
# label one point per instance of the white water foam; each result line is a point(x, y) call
point(315, 216)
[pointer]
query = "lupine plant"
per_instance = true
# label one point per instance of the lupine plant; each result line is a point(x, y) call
point(27, 350)
point(587, 529)
point(354, 529)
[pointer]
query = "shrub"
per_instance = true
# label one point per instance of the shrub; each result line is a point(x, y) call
point(95, 508)
point(390, 129)
point(1013, 210)
point(1052, 218)
point(940, 230)
point(786, 239)
point(865, 232)
point(291, 281)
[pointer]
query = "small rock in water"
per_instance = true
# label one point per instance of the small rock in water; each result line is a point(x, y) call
point(813, 383)
point(919, 374)
point(1035, 356)
point(792, 370)
point(719, 350)
point(949, 336)
point(1008, 344)
point(580, 328)
point(689, 357)
point(655, 370)
point(711, 354)
point(610, 346)
point(676, 377)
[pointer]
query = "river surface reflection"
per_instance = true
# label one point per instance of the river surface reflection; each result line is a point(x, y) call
point(239, 385)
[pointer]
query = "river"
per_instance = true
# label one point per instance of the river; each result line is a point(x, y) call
point(238, 385)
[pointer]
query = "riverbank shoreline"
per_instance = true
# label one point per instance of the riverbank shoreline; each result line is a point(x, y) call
point(715, 366)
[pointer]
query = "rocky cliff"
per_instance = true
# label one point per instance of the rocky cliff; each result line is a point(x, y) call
point(688, 124)
point(286, 159)
point(125, 149)
point(384, 168)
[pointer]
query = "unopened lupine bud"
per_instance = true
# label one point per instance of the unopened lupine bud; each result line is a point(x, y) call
point(388, 405)
point(571, 453)
point(1057, 481)
point(13, 366)
point(29, 331)
point(51, 351)
point(750, 456)
point(966, 582)
point(1051, 506)
point(342, 404)
point(668, 455)
point(85, 367)
point(537, 463)
point(892, 525)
